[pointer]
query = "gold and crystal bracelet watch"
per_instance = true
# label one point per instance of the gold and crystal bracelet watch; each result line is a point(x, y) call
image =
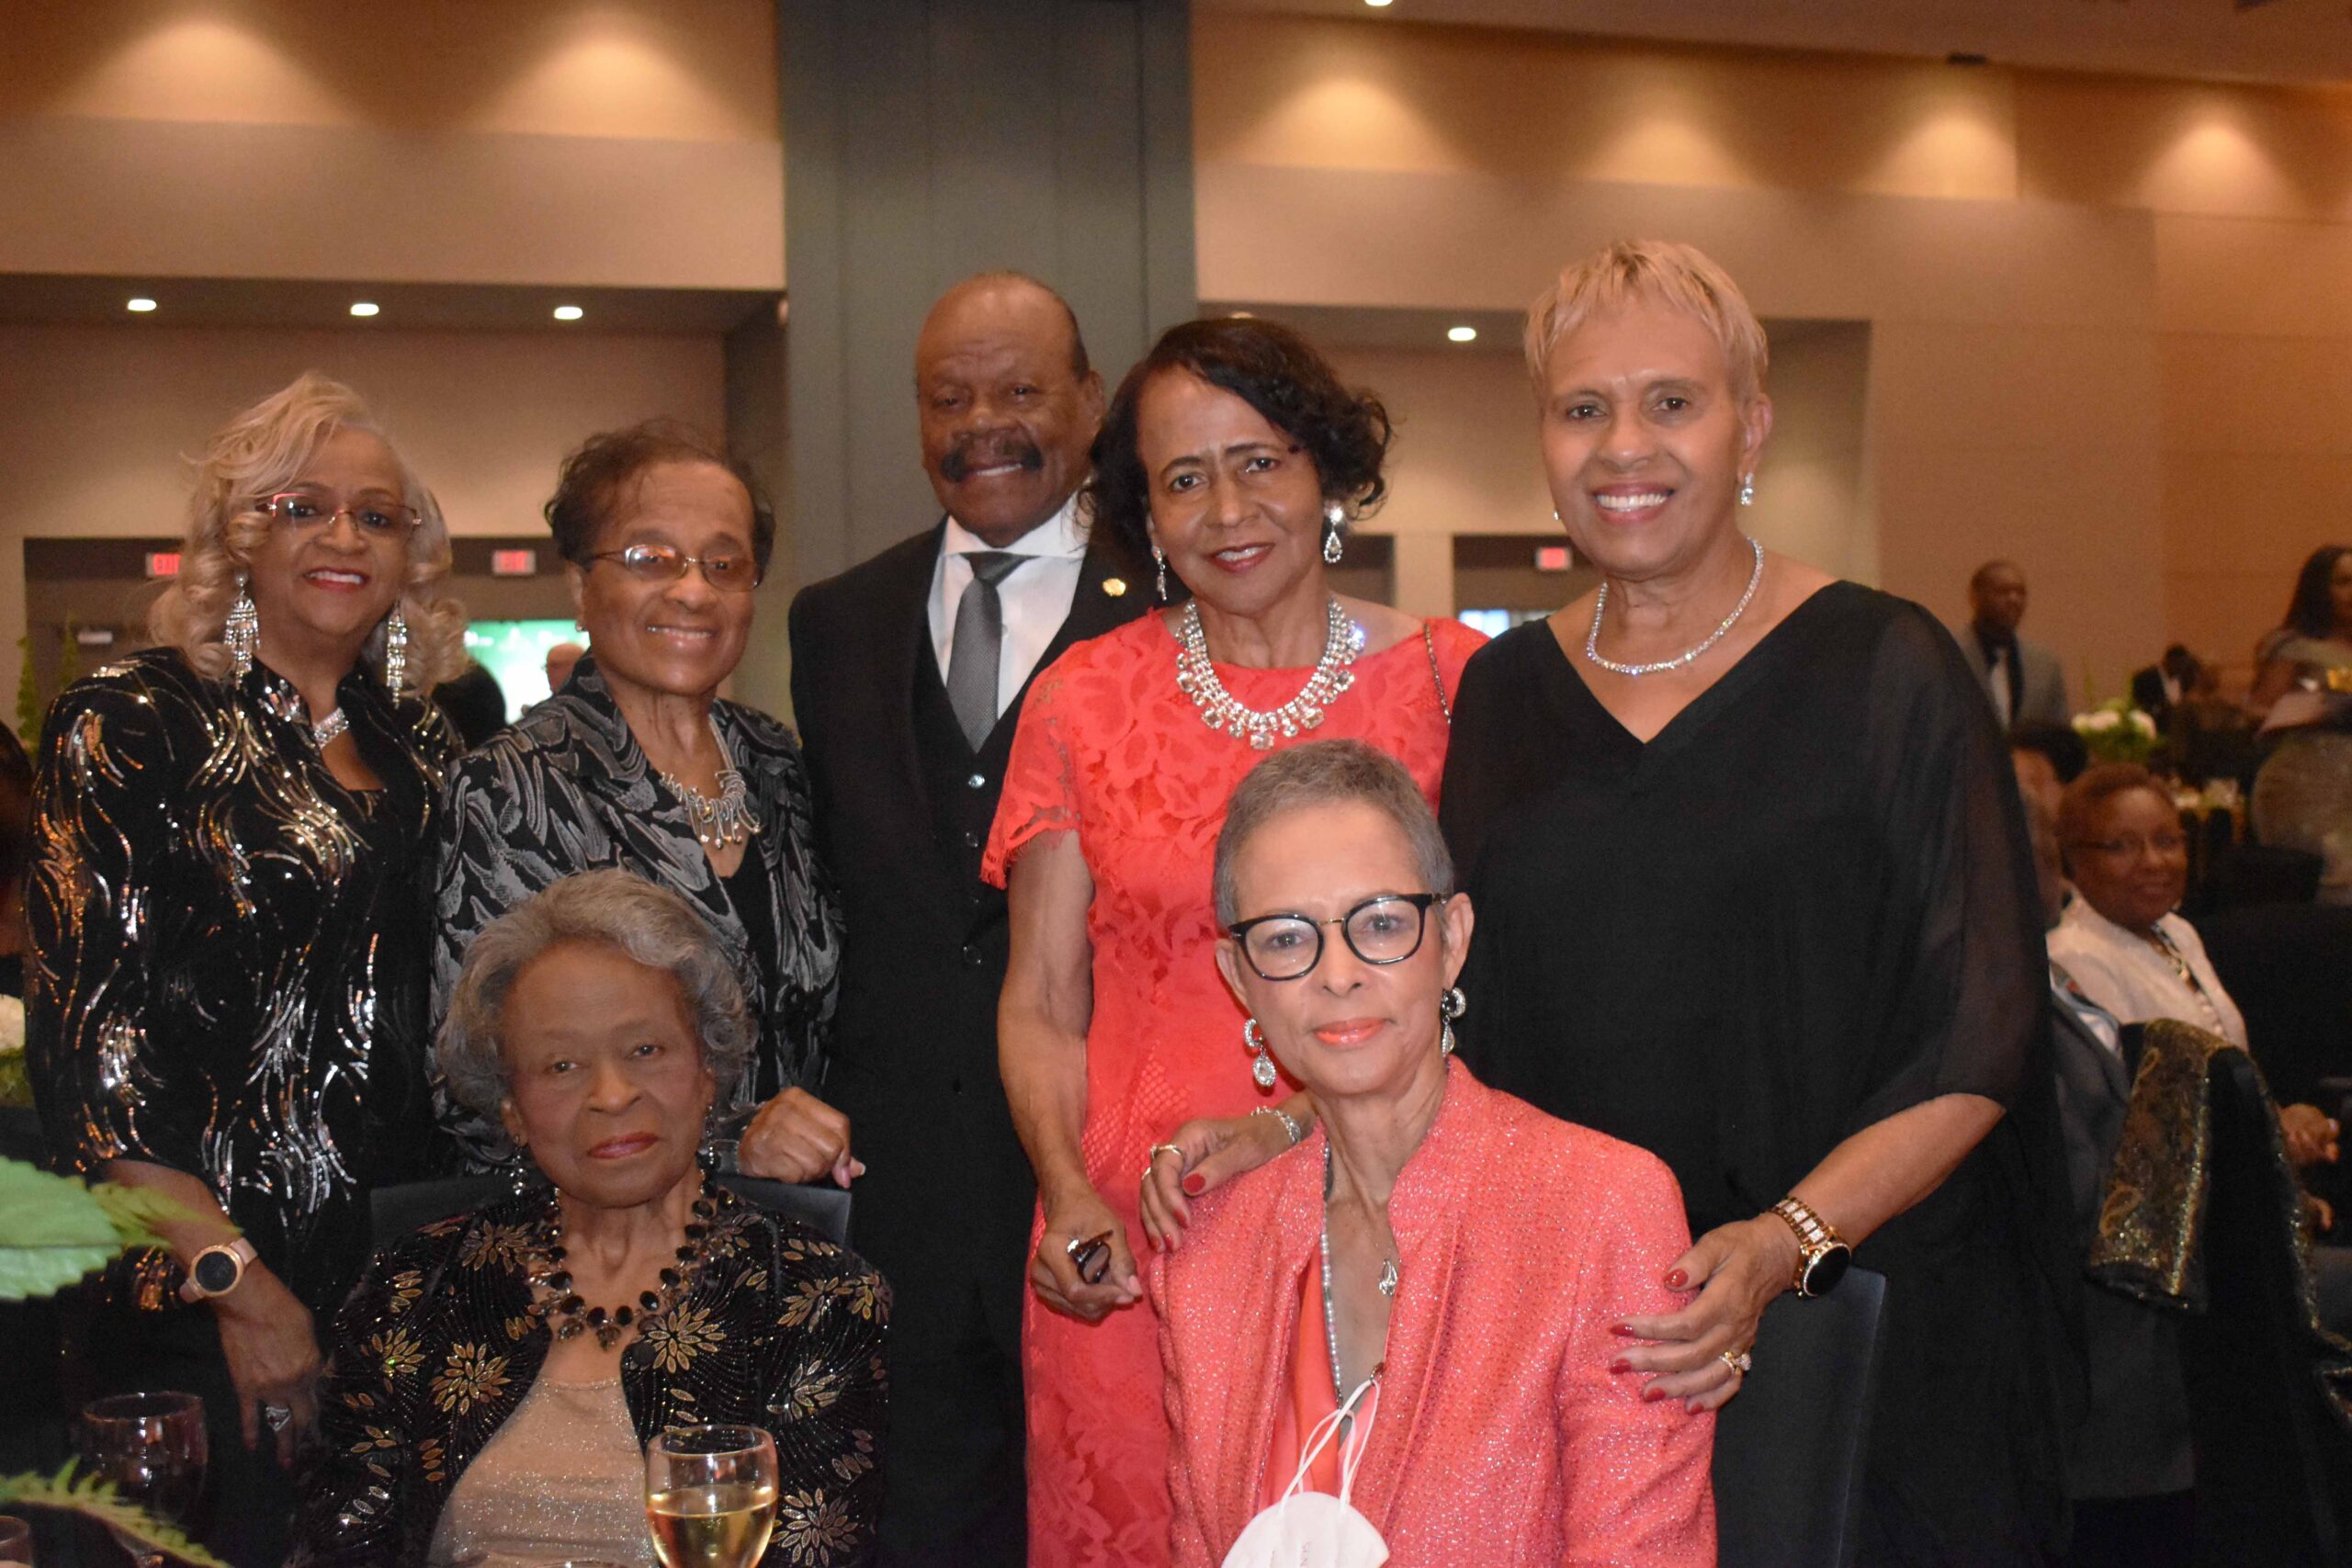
point(1823, 1255)
point(217, 1270)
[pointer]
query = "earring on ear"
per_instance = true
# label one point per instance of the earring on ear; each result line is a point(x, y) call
point(395, 652)
point(1159, 563)
point(1747, 490)
point(1451, 1005)
point(242, 633)
point(1334, 514)
point(1262, 1069)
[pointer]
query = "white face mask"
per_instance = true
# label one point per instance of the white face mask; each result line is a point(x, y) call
point(1315, 1529)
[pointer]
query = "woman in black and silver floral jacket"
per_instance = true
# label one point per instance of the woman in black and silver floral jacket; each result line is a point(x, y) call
point(495, 1377)
point(637, 763)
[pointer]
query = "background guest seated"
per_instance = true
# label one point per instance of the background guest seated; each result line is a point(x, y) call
point(495, 1377)
point(1462, 1252)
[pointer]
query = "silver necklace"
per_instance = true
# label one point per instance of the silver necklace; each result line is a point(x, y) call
point(327, 729)
point(729, 820)
point(1601, 603)
point(1331, 1314)
point(1196, 677)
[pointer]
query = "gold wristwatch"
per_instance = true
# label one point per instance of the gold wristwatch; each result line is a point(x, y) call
point(1823, 1255)
point(217, 1270)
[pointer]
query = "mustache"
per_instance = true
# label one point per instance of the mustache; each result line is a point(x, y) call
point(988, 452)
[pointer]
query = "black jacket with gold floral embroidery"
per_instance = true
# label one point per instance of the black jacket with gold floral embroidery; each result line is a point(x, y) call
point(437, 1347)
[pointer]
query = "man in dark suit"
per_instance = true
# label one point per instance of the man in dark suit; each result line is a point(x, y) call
point(2022, 680)
point(908, 675)
point(2160, 688)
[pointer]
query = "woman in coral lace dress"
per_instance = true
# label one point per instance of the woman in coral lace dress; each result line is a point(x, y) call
point(1234, 451)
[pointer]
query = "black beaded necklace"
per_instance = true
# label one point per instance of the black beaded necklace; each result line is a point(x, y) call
point(567, 1315)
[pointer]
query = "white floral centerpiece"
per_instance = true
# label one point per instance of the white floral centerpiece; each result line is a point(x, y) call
point(2117, 732)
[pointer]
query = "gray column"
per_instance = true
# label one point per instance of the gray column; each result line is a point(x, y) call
point(926, 140)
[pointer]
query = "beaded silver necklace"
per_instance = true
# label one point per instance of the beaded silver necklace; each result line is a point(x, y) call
point(1196, 677)
point(729, 820)
point(1601, 603)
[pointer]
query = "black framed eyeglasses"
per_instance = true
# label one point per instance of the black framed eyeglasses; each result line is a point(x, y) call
point(308, 509)
point(667, 563)
point(1383, 928)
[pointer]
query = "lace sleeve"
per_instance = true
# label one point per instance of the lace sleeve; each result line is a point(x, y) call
point(1040, 782)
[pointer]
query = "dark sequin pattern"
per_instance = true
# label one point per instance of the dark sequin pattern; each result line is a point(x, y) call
point(229, 975)
point(438, 1346)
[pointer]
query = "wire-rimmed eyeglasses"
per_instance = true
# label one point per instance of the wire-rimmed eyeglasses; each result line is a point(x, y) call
point(1384, 928)
point(309, 508)
point(667, 563)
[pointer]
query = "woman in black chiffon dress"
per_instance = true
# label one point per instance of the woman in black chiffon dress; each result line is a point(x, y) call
point(1768, 912)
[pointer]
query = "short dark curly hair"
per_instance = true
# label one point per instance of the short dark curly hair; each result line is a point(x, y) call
point(594, 480)
point(1275, 371)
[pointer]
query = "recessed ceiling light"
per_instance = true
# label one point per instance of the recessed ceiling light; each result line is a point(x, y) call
point(1377, 5)
point(141, 306)
point(568, 313)
point(365, 308)
point(1462, 334)
point(1243, 315)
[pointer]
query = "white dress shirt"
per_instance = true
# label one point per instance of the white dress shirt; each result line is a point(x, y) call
point(1036, 595)
point(2123, 972)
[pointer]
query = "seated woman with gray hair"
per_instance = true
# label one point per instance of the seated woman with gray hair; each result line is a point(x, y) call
point(1418, 1308)
point(496, 1376)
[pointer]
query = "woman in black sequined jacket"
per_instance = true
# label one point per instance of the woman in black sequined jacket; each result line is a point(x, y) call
point(478, 1406)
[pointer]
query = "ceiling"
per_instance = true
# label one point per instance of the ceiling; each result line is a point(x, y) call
point(293, 302)
point(2282, 40)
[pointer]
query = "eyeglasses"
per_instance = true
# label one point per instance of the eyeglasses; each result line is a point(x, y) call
point(1384, 928)
point(308, 509)
point(666, 563)
point(2132, 848)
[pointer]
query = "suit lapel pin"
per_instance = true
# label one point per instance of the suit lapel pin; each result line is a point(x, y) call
point(1116, 587)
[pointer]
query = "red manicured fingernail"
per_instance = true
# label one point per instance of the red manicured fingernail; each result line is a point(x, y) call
point(1196, 1184)
point(1676, 1280)
point(1621, 1365)
point(1650, 1395)
point(1622, 1330)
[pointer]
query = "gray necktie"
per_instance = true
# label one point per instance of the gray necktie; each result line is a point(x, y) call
point(980, 645)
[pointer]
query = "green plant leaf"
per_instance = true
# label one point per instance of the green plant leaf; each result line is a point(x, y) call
point(96, 1499)
point(53, 1231)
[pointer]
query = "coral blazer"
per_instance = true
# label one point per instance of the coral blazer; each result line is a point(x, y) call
point(1502, 1435)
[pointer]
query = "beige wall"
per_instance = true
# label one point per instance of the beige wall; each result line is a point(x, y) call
point(95, 421)
point(2107, 320)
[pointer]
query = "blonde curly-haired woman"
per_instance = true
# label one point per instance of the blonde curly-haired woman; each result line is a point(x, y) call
point(226, 1001)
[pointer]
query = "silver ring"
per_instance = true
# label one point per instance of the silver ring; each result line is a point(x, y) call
point(277, 1416)
point(1737, 1360)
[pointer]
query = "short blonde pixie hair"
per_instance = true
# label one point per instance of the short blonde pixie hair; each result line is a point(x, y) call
point(260, 452)
point(1664, 272)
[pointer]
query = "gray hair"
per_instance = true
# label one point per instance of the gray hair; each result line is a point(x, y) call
point(1325, 772)
point(650, 923)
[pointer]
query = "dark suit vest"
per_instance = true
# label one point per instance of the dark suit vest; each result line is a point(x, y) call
point(963, 787)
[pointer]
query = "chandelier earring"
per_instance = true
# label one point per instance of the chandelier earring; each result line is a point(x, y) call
point(1747, 490)
point(1451, 1005)
point(1159, 565)
point(1334, 514)
point(242, 633)
point(395, 653)
point(1262, 1069)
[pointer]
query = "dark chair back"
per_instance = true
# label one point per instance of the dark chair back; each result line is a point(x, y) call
point(2274, 1456)
point(393, 1212)
point(1789, 1449)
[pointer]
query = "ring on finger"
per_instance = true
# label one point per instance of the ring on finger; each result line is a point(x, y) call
point(1737, 1360)
point(1158, 1149)
point(277, 1416)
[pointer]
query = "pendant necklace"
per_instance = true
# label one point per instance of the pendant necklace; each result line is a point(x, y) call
point(1197, 678)
point(1601, 603)
point(725, 819)
point(1388, 1280)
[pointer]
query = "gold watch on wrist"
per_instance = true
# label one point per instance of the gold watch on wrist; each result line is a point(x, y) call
point(218, 1269)
point(1823, 1255)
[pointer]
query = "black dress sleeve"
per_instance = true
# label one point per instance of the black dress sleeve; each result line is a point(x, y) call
point(1968, 1010)
point(827, 1389)
point(107, 1087)
point(350, 1515)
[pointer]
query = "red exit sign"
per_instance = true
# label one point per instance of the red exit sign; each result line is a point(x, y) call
point(1551, 558)
point(163, 563)
point(513, 563)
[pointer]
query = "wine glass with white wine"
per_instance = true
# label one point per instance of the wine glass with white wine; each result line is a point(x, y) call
point(153, 1446)
point(710, 1495)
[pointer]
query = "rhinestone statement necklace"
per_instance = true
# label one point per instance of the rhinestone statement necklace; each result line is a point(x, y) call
point(729, 820)
point(1601, 603)
point(1196, 677)
point(568, 1317)
point(327, 729)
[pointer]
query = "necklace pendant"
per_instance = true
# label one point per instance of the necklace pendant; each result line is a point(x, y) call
point(1388, 1277)
point(1261, 741)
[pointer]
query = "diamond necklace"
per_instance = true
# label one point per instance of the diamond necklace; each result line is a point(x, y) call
point(727, 820)
point(1601, 603)
point(327, 729)
point(1196, 677)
